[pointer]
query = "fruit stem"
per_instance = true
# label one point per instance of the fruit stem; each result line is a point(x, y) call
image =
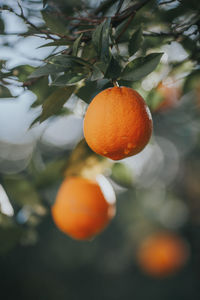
point(115, 83)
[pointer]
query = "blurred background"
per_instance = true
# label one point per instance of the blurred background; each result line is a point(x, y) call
point(157, 190)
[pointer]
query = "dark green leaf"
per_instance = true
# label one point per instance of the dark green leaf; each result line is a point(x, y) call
point(36, 120)
point(88, 91)
point(114, 69)
point(68, 79)
point(135, 42)
point(76, 45)
point(55, 102)
point(141, 67)
point(4, 92)
point(100, 40)
point(105, 51)
point(53, 23)
point(1, 26)
point(41, 89)
point(47, 69)
point(60, 42)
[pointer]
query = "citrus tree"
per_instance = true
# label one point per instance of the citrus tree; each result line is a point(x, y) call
point(151, 46)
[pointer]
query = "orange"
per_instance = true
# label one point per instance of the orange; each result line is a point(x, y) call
point(81, 209)
point(170, 95)
point(162, 254)
point(117, 123)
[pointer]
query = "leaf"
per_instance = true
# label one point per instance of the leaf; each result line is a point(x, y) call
point(55, 102)
point(135, 42)
point(105, 51)
point(22, 72)
point(88, 91)
point(1, 26)
point(76, 45)
point(69, 61)
point(59, 42)
point(41, 89)
point(88, 52)
point(141, 67)
point(68, 79)
point(20, 190)
point(44, 2)
point(100, 40)
point(114, 69)
point(36, 120)
point(192, 81)
point(4, 92)
point(47, 69)
point(53, 23)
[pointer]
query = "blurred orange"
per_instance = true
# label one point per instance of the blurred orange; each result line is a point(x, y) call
point(170, 95)
point(162, 254)
point(81, 209)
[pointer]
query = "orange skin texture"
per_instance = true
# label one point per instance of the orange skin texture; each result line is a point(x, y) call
point(162, 254)
point(170, 94)
point(117, 123)
point(80, 209)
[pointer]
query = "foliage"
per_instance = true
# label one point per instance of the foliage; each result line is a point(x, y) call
point(89, 46)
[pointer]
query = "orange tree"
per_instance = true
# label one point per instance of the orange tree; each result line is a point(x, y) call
point(92, 46)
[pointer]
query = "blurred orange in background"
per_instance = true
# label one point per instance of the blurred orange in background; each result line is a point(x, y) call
point(83, 207)
point(162, 254)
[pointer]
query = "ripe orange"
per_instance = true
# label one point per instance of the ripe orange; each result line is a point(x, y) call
point(170, 95)
point(81, 209)
point(162, 254)
point(117, 123)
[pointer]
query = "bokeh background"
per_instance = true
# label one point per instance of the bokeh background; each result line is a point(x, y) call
point(157, 190)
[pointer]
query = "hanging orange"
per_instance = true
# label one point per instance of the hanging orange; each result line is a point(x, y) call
point(117, 123)
point(81, 209)
point(162, 254)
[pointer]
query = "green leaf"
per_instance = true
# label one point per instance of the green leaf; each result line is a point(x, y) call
point(105, 51)
point(89, 52)
point(1, 26)
point(22, 72)
point(47, 69)
point(114, 69)
point(76, 45)
point(68, 79)
point(55, 102)
point(100, 40)
point(69, 61)
point(41, 89)
point(53, 23)
point(192, 81)
point(97, 71)
point(59, 42)
point(36, 120)
point(141, 67)
point(88, 91)
point(135, 42)
point(4, 92)
point(44, 2)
